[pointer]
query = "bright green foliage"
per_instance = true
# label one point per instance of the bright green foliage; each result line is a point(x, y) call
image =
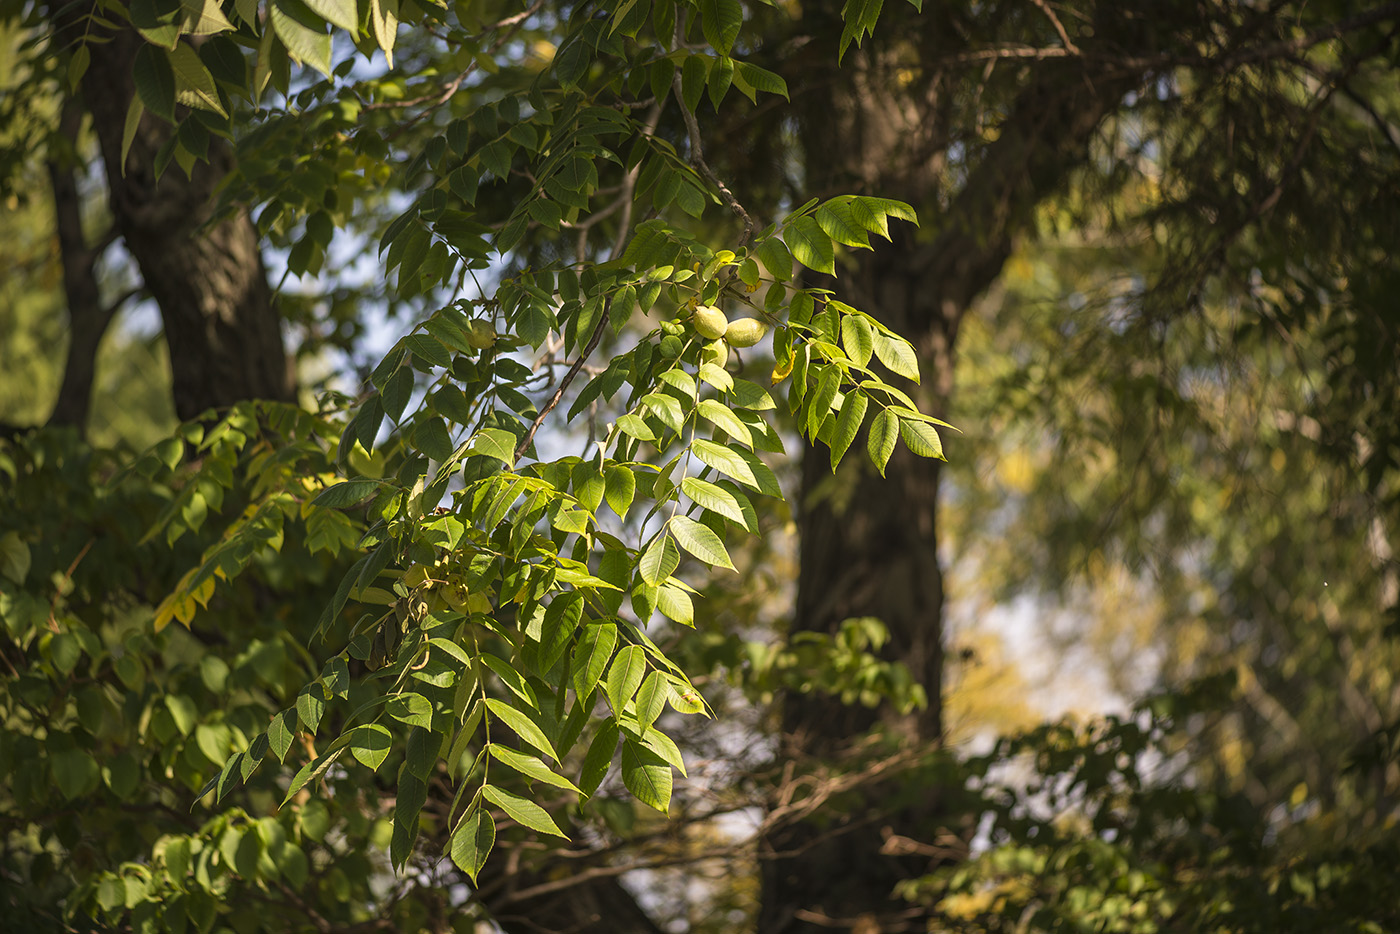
point(494, 627)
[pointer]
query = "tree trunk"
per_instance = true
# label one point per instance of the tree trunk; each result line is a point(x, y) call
point(207, 276)
point(87, 317)
point(870, 544)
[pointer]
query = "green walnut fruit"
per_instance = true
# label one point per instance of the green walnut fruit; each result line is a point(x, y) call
point(709, 322)
point(745, 332)
point(481, 334)
point(716, 352)
point(456, 596)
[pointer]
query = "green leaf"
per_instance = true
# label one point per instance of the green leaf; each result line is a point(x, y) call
point(409, 798)
point(694, 71)
point(665, 747)
point(303, 33)
point(835, 220)
point(848, 425)
point(858, 339)
point(529, 766)
point(675, 604)
point(384, 22)
point(700, 541)
point(522, 810)
point(314, 769)
point(212, 740)
point(660, 559)
point(810, 246)
point(714, 498)
point(599, 758)
point(523, 726)
point(589, 485)
point(646, 775)
point(921, 438)
point(158, 25)
point(349, 493)
point(760, 79)
point(667, 408)
point(776, 258)
point(820, 401)
point(861, 17)
point(194, 86)
point(721, 77)
point(595, 648)
point(720, 21)
point(621, 485)
point(75, 772)
point(716, 376)
point(726, 461)
point(739, 465)
point(134, 112)
point(625, 676)
point(369, 743)
point(720, 415)
point(311, 704)
point(432, 438)
point(412, 709)
point(651, 699)
point(683, 699)
point(204, 18)
point(340, 13)
point(571, 62)
point(183, 712)
point(751, 396)
point(635, 427)
point(897, 354)
point(280, 733)
point(472, 841)
point(495, 442)
point(155, 82)
point(884, 430)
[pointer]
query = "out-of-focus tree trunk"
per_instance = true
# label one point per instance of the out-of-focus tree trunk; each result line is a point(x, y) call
point(208, 279)
point(870, 544)
point(88, 318)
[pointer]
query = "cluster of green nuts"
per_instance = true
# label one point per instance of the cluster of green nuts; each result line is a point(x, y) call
point(711, 323)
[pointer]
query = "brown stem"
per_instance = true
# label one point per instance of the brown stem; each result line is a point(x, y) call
point(549, 406)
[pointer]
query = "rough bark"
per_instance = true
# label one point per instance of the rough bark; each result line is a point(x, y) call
point(207, 276)
point(870, 544)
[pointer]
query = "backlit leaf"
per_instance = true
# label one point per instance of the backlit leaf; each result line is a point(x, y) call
point(522, 810)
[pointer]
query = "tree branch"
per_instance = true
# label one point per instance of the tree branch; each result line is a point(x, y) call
point(697, 159)
point(629, 186)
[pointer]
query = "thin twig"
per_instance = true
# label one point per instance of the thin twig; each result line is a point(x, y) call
point(629, 186)
point(1069, 45)
point(697, 156)
point(511, 25)
point(68, 577)
point(593, 340)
